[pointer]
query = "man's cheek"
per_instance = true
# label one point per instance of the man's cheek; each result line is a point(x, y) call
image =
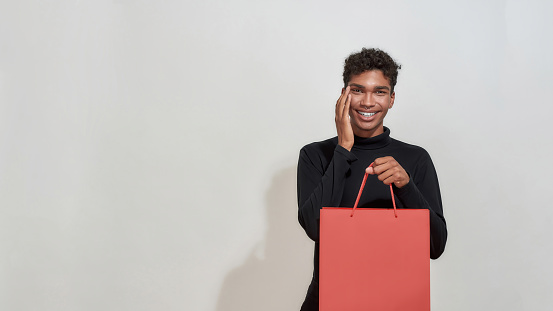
point(351, 112)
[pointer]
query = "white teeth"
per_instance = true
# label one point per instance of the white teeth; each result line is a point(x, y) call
point(367, 114)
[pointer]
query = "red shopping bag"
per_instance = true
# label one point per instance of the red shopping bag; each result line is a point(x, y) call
point(374, 259)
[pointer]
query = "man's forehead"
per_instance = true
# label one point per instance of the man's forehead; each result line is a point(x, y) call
point(370, 78)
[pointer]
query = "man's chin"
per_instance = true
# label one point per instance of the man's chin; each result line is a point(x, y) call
point(367, 132)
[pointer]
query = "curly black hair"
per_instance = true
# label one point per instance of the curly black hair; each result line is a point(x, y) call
point(371, 59)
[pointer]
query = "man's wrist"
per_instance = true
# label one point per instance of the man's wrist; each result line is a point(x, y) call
point(346, 145)
point(343, 152)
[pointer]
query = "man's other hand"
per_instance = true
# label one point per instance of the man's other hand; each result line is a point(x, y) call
point(389, 171)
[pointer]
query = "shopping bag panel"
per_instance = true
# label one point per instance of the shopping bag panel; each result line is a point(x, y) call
point(373, 260)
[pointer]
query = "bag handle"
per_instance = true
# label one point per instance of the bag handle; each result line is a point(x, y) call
point(361, 190)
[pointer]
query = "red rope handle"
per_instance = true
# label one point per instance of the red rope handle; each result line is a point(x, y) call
point(359, 195)
point(393, 200)
point(361, 190)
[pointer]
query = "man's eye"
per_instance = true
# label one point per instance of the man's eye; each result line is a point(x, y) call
point(356, 90)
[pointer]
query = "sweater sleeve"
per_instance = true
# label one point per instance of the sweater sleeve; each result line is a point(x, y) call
point(320, 186)
point(423, 192)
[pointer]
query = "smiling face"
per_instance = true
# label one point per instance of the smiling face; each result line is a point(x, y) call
point(371, 97)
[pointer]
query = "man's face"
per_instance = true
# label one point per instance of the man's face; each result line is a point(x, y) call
point(371, 97)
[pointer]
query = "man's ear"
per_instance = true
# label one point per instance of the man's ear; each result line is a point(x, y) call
point(343, 90)
point(392, 98)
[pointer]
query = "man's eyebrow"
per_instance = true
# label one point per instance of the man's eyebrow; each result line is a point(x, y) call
point(383, 87)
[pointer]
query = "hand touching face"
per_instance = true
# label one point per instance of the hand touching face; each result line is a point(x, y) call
point(342, 119)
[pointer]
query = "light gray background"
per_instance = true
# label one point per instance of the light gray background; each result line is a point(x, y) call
point(148, 148)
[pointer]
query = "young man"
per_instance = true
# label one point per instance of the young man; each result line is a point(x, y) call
point(330, 171)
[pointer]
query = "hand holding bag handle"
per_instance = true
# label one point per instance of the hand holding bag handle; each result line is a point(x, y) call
point(361, 190)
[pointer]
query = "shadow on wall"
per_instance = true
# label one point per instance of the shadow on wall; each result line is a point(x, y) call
point(276, 278)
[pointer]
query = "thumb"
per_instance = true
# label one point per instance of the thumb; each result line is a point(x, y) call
point(370, 170)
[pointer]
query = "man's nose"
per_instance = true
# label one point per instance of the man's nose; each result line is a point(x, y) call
point(368, 101)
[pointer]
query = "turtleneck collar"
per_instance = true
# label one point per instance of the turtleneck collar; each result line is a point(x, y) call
point(376, 142)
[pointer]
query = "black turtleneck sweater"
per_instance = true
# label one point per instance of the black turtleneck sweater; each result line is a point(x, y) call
point(330, 176)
